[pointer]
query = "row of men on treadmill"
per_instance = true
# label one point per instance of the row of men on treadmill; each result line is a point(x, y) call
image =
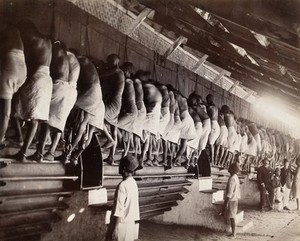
point(55, 90)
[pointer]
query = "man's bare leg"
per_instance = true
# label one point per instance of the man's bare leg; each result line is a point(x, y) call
point(55, 140)
point(144, 152)
point(212, 153)
point(5, 110)
point(110, 141)
point(83, 144)
point(17, 124)
point(44, 132)
point(156, 155)
point(233, 227)
point(32, 128)
point(126, 142)
point(165, 145)
point(182, 149)
point(137, 145)
point(148, 162)
point(217, 152)
point(110, 159)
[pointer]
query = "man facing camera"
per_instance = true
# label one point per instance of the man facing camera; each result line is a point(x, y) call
point(231, 197)
point(286, 183)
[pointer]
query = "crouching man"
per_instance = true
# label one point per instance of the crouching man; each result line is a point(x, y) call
point(126, 203)
point(231, 197)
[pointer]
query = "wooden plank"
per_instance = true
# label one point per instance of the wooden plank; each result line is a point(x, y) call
point(221, 75)
point(176, 44)
point(25, 231)
point(138, 21)
point(199, 63)
point(235, 84)
point(32, 194)
point(8, 179)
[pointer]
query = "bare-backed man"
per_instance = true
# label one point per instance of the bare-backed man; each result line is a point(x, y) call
point(34, 96)
point(212, 111)
point(112, 84)
point(12, 72)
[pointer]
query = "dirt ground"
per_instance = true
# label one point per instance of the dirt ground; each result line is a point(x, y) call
point(268, 226)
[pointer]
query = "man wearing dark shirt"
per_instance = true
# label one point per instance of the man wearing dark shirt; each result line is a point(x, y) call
point(286, 183)
point(264, 175)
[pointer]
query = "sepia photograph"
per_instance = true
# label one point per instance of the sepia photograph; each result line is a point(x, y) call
point(149, 120)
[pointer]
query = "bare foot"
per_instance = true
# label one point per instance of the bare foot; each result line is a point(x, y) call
point(156, 162)
point(38, 157)
point(110, 160)
point(148, 162)
point(176, 161)
point(231, 235)
point(108, 144)
point(2, 146)
point(20, 157)
point(49, 156)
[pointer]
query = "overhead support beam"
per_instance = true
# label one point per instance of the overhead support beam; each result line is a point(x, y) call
point(200, 63)
point(235, 84)
point(251, 92)
point(224, 10)
point(221, 75)
point(180, 40)
point(138, 21)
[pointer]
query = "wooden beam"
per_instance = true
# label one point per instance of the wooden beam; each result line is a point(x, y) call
point(221, 75)
point(224, 37)
point(138, 21)
point(235, 84)
point(176, 44)
point(199, 63)
point(251, 92)
point(169, 23)
point(234, 11)
point(223, 61)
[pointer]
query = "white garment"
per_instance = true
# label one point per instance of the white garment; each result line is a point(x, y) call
point(286, 196)
point(127, 202)
point(233, 188)
point(125, 231)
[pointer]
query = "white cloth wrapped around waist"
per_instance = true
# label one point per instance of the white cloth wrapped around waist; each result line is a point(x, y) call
point(12, 73)
point(206, 128)
point(112, 110)
point(164, 119)
point(174, 133)
point(139, 123)
point(231, 138)
point(64, 95)
point(252, 147)
point(188, 130)
point(152, 119)
point(88, 99)
point(34, 96)
point(194, 143)
point(97, 109)
point(244, 144)
point(222, 139)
